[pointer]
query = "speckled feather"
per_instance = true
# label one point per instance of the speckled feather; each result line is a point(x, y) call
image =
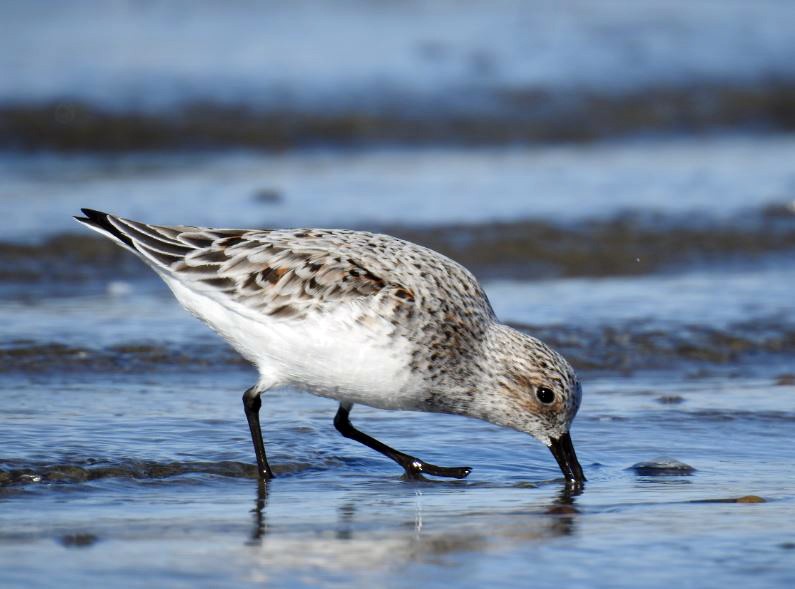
point(289, 273)
point(402, 305)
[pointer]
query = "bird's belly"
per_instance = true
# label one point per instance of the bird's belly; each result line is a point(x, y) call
point(328, 354)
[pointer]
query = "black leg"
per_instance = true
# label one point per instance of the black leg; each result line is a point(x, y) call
point(414, 467)
point(252, 403)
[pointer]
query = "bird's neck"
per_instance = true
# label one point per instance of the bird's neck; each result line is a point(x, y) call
point(477, 389)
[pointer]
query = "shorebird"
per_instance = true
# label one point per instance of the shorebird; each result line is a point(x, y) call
point(361, 318)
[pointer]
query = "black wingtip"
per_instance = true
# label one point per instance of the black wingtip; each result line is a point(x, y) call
point(94, 215)
point(100, 220)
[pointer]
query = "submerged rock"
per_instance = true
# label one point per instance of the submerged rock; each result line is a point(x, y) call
point(785, 380)
point(743, 499)
point(751, 499)
point(78, 540)
point(662, 467)
point(670, 399)
point(268, 196)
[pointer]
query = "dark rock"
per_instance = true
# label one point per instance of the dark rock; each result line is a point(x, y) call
point(268, 196)
point(662, 467)
point(78, 540)
point(670, 399)
point(785, 380)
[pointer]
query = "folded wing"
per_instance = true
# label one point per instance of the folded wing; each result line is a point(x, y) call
point(281, 273)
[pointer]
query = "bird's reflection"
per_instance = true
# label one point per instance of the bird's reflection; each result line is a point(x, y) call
point(347, 513)
point(565, 510)
point(260, 523)
point(559, 519)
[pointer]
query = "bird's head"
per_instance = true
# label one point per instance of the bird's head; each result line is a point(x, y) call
point(536, 391)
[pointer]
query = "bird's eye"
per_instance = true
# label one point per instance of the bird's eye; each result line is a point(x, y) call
point(545, 395)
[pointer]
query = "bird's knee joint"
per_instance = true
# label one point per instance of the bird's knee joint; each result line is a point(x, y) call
point(252, 400)
point(344, 427)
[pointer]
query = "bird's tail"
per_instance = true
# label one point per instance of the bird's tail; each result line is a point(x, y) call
point(160, 246)
point(101, 223)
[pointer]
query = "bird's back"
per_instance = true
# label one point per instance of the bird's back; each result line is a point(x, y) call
point(386, 289)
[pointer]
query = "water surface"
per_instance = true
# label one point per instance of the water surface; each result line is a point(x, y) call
point(339, 515)
point(660, 260)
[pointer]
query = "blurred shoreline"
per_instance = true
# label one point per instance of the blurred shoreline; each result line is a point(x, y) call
point(484, 118)
point(626, 244)
point(128, 75)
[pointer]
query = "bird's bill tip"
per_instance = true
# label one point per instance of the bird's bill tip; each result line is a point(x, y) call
point(562, 449)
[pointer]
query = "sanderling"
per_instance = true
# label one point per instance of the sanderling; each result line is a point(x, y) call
point(361, 318)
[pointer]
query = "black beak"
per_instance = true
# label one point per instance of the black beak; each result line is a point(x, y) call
point(563, 451)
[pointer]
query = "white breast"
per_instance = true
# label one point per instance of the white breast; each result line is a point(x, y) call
point(329, 354)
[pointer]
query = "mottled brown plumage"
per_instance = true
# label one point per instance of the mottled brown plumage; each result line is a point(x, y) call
point(360, 317)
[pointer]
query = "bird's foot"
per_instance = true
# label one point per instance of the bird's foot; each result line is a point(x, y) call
point(416, 468)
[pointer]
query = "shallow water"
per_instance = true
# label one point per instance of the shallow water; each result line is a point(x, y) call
point(131, 466)
point(125, 455)
point(662, 267)
point(159, 75)
point(175, 508)
point(161, 53)
point(704, 179)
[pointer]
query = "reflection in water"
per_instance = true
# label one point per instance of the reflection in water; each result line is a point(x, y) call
point(362, 535)
point(661, 483)
point(346, 519)
point(418, 516)
point(260, 524)
point(565, 510)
